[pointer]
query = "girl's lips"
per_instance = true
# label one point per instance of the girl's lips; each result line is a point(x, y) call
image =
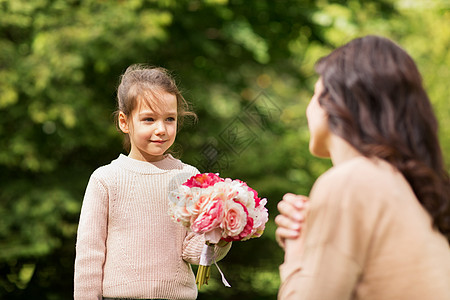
point(158, 142)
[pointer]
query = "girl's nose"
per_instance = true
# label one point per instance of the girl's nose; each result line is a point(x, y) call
point(160, 128)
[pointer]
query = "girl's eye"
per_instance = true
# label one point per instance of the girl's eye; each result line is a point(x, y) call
point(171, 119)
point(148, 119)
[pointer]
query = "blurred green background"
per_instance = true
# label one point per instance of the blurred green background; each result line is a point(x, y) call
point(247, 68)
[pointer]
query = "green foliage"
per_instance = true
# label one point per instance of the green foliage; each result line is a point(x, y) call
point(247, 67)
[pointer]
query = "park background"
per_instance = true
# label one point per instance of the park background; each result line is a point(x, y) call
point(247, 68)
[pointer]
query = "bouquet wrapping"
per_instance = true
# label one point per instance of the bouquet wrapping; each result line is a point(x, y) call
point(221, 209)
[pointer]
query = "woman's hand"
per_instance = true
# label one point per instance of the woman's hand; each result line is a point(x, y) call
point(293, 210)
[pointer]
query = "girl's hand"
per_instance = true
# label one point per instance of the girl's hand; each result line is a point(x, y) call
point(293, 210)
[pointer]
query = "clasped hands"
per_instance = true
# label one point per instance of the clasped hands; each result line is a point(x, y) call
point(293, 211)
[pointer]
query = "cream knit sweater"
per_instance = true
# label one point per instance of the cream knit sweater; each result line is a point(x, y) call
point(127, 245)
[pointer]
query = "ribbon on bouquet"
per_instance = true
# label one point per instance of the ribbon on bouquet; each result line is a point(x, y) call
point(207, 257)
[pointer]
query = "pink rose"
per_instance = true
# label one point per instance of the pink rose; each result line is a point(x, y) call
point(235, 218)
point(255, 193)
point(225, 191)
point(203, 200)
point(237, 224)
point(209, 218)
point(244, 235)
point(260, 219)
point(203, 180)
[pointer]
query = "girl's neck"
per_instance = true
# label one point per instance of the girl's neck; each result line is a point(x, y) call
point(143, 156)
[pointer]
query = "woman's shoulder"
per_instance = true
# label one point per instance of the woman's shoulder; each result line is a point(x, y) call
point(357, 171)
point(359, 179)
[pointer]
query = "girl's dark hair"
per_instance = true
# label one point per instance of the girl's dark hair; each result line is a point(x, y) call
point(375, 100)
point(145, 82)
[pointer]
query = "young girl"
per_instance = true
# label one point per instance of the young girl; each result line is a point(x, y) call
point(377, 223)
point(127, 245)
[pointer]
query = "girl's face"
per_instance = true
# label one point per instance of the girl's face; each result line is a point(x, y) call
point(318, 124)
point(152, 130)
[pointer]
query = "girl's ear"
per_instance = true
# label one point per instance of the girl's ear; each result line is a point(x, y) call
point(123, 122)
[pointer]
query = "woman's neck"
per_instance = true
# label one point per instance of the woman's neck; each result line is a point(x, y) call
point(340, 150)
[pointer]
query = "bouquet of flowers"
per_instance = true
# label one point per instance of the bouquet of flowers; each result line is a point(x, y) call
point(221, 209)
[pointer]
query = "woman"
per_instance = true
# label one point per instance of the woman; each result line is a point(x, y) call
point(378, 221)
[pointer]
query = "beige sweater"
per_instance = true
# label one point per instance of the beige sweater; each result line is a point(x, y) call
point(366, 237)
point(127, 245)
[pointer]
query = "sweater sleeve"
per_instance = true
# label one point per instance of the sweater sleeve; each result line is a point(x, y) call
point(325, 262)
point(193, 245)
point(91, 242)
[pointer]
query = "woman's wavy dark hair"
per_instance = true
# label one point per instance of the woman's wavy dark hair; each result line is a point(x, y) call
point(375, 100)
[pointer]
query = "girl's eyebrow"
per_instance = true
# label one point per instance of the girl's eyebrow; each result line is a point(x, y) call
point(147, 113)
point(152, 113)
